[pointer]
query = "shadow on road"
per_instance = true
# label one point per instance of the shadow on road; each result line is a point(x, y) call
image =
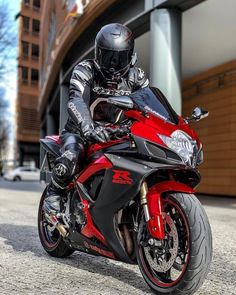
point(25, 238)
point(21, 238)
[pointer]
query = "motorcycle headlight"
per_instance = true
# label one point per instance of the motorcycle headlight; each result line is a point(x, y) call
point(183, 145)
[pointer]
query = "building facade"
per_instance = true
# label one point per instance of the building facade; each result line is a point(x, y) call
point(181, 45)
point(28, 126)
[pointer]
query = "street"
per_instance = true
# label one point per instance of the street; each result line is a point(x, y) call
point(25, 268)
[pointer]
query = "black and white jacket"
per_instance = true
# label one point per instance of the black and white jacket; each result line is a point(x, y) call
point(88, 86)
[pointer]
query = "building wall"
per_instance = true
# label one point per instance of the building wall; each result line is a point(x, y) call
point(53, 16)
point(27, 117)
point(28, 71)
point(215, 90)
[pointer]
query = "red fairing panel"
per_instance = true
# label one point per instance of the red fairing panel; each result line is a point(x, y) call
point(55, 138)
point(156, 224)
point(99, 164)
point(89, 230)
point(149, 127)
point(99, 146)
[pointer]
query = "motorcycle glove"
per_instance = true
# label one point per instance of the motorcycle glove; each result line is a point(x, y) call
point(92, 133)
point(118, 131)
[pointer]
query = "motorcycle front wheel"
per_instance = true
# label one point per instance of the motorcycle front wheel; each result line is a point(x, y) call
point(178, 264)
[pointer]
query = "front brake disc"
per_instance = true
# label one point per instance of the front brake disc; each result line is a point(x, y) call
point(162, 259)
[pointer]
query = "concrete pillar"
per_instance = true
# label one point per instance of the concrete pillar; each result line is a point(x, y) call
point(51, 126)
point(42, 152)
point(148, 4)
point(64, 96)
point(21, 157)
point(165, 54)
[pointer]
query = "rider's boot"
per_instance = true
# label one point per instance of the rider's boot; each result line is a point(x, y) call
point(52, 200)
point(61, 176)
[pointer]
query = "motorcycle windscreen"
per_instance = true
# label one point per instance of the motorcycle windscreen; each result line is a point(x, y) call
point(153, 100)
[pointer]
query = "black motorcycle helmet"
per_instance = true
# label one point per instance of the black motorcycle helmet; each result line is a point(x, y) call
point(114, 46)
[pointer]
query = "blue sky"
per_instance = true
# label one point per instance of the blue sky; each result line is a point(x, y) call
point(9, 81)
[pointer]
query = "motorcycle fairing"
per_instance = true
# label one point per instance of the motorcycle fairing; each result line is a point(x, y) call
point(156, 152)
point(97, 165)
point(113, 196)
point(51, 146)
point(89, 230)
point(150, 126)
point(82, 243)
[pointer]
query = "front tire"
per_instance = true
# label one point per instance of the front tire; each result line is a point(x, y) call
point(52, 242)
point(194, 248)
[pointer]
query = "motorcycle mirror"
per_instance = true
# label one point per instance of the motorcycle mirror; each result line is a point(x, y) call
point(121, 101)
point(197, 114)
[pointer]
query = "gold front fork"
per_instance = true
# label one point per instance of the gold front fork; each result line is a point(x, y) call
point(143, 200)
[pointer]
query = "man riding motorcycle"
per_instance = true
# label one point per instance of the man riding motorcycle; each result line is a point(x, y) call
point(111, 73)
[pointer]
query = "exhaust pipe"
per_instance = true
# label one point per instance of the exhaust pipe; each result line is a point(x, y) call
point(128, 240)
point(59, 226)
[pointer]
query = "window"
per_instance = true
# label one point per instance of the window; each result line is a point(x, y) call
point(34, 76)
point(36, 26)
point(25, 49)
point(27, 2)
point(35, 51)
point(24, 74)
point(26, 23)
point(26, 169)
point(36, 4)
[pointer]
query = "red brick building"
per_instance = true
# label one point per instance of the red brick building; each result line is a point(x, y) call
point(28, 127)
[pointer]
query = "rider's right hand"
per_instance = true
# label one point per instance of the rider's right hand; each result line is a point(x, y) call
point(96, 134)
point(118, 132)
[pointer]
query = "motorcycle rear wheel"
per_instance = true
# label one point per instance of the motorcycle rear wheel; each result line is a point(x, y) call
point(52, 242)
point(194, 249)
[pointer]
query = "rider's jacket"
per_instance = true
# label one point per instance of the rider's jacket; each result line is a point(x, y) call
point(87, 88)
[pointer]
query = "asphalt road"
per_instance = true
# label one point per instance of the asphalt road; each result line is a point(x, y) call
point(25, 268)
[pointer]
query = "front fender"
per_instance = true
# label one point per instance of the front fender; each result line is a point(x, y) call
point(154, 201)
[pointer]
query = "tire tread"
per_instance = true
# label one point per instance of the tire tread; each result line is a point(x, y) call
point(200, 245)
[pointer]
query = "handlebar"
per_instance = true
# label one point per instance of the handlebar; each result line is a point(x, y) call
point(117, 132)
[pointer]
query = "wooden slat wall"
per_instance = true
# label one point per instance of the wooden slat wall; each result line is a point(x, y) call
point(215, 90)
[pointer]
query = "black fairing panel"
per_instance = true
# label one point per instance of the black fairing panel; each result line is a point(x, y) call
point(51, 147)
point(156, 152)
point(113, 196)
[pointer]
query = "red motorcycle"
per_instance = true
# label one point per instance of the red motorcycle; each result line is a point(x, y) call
point(134, 199)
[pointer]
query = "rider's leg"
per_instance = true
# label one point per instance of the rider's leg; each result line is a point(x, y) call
point(63, 171)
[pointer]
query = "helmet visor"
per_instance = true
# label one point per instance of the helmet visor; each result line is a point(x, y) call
point(113, 61)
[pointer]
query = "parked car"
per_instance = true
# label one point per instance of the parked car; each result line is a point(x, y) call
point(23, 173)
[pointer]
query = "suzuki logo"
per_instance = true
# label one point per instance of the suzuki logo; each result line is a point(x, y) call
point(122, 177)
